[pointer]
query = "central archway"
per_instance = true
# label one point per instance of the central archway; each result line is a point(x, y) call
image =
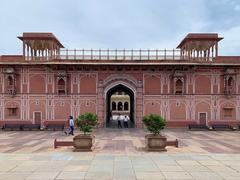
point(122, 107)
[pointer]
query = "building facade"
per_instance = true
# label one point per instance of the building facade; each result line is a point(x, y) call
point(190, 84)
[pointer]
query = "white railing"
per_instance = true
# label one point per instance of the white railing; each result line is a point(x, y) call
point(133, 54)
point(100, 54)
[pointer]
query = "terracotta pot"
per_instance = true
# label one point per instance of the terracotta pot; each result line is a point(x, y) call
point(83, 142)
point(156, 142)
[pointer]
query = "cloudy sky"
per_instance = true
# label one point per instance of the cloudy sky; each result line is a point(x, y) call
point(120, 23)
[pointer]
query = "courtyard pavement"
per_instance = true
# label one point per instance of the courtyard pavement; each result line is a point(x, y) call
point(120, 154)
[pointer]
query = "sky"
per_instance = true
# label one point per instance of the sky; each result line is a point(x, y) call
point(120, 23)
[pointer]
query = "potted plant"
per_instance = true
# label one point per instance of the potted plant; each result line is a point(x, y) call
point(154, 124)
point(85, 122)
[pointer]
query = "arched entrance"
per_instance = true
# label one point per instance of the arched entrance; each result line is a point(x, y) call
point(119, 100)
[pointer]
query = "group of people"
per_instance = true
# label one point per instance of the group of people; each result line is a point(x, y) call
point(125, 121)
point(70, 130)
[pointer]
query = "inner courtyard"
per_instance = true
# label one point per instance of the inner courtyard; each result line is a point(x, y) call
point(120, 90)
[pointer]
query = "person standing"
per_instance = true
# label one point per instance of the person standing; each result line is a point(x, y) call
point(111, 116)
point(119, 121)
point(125, 121)
point(71, 125)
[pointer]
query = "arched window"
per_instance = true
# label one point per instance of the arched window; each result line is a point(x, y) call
point(10, 87)
point(10, 81)
point(114, 106)
point(120, 106)
point(229, 87)
point(179, 87)
point(61, 86)
point(126, 106)
point(230, 82)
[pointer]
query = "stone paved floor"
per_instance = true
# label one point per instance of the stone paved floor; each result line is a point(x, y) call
point(84, 165)
point(119, 154)
point(122, 140)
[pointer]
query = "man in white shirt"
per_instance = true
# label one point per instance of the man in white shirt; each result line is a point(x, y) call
point(71, 125)
point(119, 121)
point(125, 121)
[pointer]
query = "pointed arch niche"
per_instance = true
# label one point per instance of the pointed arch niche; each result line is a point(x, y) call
point(62, 83)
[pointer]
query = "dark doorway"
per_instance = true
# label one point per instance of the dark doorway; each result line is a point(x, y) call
point(119, 107)
point(203, 118)
point(37, 118)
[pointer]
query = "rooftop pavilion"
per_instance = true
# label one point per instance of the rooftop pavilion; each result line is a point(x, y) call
point(45, 46)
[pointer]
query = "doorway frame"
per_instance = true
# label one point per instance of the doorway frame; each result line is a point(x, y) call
point(206, 117)
point(34, 116)
point(112, 85)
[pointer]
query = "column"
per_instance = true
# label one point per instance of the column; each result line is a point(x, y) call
point(24, 48)
point(101, 105)
point(27, 52)
point(212, 51)
point(139, 105)
point(216, 49)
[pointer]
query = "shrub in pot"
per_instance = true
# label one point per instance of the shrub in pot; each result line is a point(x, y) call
point(155, 141)
point(85, 122)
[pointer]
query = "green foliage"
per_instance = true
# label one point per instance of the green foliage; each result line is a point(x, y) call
point(86, 122)
point(154, 123)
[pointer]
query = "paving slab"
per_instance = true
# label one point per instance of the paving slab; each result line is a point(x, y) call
point(14, 175)
point(149, 176)
point(42, 176)
point(171, 168)
point(205, 176)
point(177, 175)
point(71, 175)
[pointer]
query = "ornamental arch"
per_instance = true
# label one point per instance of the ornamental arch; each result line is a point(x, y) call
point(116, 84)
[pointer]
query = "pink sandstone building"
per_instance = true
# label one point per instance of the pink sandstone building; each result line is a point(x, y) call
point(190, 84)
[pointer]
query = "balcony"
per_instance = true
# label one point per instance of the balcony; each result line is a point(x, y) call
point(62, 90)
point(61, 87)
point(229, 91)
point(110, 54)
point(11, 90)
point(117, 54)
